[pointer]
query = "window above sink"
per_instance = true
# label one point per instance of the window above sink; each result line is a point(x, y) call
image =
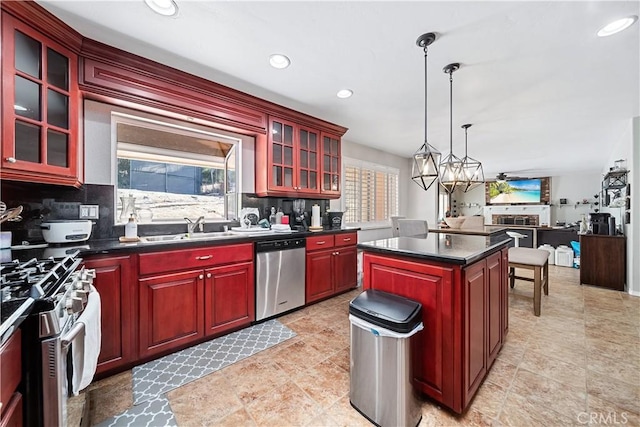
point(168, 172)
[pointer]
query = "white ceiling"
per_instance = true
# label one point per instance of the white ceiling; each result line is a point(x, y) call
point(545, 95)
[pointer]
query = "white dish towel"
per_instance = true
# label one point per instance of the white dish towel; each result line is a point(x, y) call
point(86, 346)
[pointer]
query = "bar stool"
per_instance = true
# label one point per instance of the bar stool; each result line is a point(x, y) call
point(516, 237)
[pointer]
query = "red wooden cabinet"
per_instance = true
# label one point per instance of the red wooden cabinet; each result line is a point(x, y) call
point(229, 297)
point(202, 292)
point(288, 162)
point(432, 286)
point(116, 283)
point(40, 107)
point(495, 295)
point(474, 318)
point(463, 311)
point(10, 377)
point(319, 280)
point(331, 265)
point(171, 311)
point(331, 159)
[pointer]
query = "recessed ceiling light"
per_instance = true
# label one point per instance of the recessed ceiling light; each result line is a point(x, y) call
point(163, 7)
point(278, 60)
point(617, 26)
point(344, 93)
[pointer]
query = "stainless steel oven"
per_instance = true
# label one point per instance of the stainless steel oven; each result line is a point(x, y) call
point(60, 293)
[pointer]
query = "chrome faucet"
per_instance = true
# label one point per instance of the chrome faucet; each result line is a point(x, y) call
point(193, 225)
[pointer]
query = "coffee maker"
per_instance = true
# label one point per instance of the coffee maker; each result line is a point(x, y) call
point(599, 222)
point(299, 216)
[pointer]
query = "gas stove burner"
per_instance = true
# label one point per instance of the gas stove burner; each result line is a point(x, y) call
point(35, 278)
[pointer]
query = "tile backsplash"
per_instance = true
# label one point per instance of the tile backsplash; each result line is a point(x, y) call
point(48, 202)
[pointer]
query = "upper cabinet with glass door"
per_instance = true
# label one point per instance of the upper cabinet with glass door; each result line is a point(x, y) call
point(40, 107)
point(289, 165)
point(331, 164)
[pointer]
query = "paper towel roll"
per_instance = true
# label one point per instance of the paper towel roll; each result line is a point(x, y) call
point(315, 216)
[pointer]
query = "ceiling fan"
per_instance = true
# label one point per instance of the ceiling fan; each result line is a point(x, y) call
point(503, 177)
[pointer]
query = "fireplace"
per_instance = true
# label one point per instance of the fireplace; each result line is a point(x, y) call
point(523, 215)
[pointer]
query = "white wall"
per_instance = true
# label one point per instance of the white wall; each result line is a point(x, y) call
point(100, 152)
point(633, 229)
point(575, 188)
point(628, 148)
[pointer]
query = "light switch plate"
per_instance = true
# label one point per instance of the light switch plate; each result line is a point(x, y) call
point(89, 212)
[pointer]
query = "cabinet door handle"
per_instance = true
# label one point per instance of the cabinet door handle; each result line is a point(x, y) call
point(204, 257)
point(337, 253)
point(11, 159)
point(201, 276)
point(208, 275)
point(321, 243)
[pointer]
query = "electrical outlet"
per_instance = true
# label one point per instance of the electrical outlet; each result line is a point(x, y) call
point(89, 212)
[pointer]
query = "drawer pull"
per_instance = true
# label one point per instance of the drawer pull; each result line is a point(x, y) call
point(204, 257)
point(321, 242)
point(346, 239)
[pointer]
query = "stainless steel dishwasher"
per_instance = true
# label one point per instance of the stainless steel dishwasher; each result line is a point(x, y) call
point(280, 276)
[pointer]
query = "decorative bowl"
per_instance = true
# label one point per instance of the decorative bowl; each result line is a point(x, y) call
point(455, 222)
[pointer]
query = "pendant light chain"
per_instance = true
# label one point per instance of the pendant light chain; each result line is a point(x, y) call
point(451, 111)
point(425, 92)
point(424, 170)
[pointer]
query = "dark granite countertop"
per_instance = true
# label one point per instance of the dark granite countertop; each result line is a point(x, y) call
point(485, 230)
point(114, 246)
point(461, 249)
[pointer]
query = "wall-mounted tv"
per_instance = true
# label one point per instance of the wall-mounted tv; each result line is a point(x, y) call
point(515, 191)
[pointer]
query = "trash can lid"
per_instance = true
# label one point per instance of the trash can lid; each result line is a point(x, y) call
point(386, 310)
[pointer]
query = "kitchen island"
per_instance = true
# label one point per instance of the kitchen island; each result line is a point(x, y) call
point(461, 282)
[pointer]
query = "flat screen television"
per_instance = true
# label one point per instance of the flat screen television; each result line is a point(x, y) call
point(516, 191)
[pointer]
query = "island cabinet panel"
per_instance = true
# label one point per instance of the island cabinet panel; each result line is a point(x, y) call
point(494, 304)
point(116, 284)
point(463, 312)
point(171, 311)
point(432, 286)
point(475, 330)
point(229, 293)
point(504, 266)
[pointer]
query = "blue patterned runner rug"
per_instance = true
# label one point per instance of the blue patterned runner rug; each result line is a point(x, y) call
point(169, 372)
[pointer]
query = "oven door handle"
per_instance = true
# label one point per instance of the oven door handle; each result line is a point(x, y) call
point(71, 335)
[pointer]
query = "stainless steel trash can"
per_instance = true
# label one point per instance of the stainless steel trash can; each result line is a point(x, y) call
point(382, 325)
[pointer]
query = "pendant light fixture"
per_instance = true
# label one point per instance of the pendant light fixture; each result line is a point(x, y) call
point(471, 168)
point(450, 169)
point(424, 170)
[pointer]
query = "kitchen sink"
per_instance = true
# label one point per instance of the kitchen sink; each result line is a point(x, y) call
point(184, 236)
point(211, 235)
point(164, 238)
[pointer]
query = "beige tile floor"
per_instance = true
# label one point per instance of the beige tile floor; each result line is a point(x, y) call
point(576, 364)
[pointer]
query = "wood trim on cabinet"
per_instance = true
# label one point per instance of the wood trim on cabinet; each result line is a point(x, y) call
point(104, 67)
point(40, 19)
